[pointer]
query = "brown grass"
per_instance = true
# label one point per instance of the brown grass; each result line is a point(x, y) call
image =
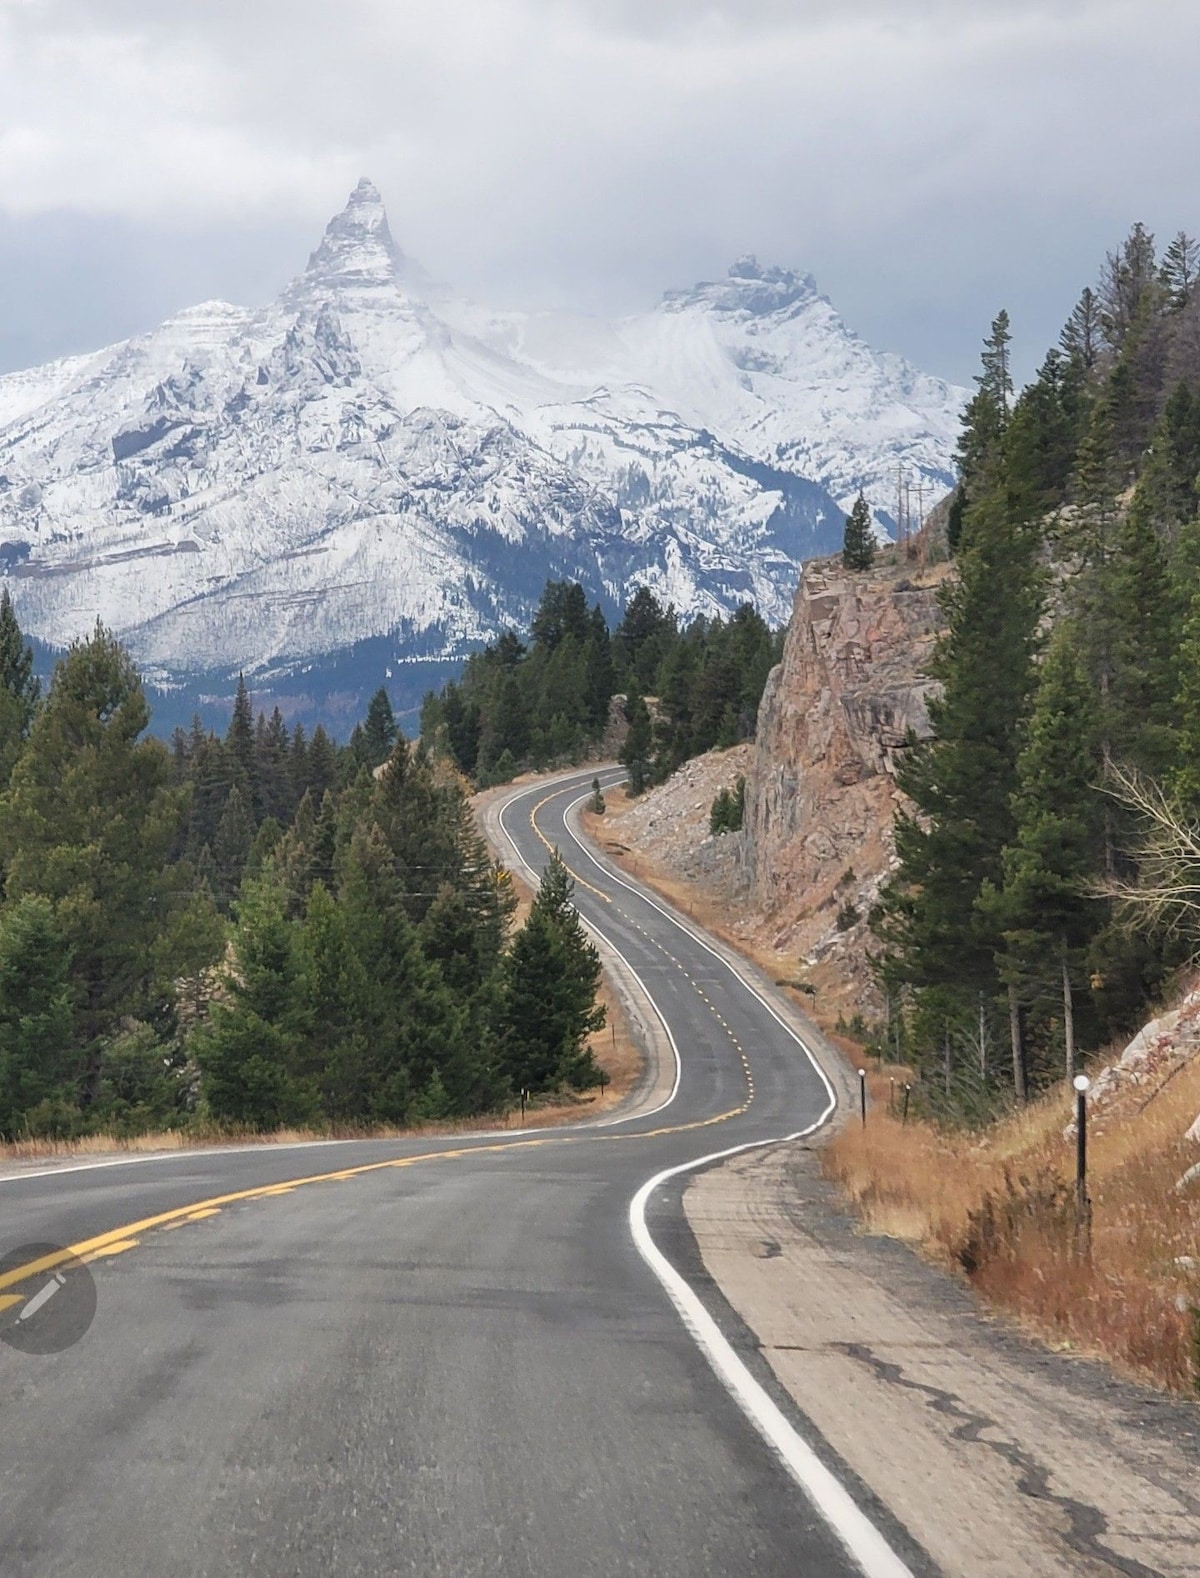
point(999, 1208)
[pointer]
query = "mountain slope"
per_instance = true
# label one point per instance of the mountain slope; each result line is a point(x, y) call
point(368, 463)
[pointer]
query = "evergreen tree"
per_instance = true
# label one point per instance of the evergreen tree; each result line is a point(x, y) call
point(561, 614)
point(549, 1007)
point(273, 750)
point(1082, 337)
point(599, 673)
point(380, 730)
point(635, 753)
point(231, 846)
point(39, 1058)
point(1043, 908)
point(962, 781)
point(1129, 279)
point(240, 750)
point(322, 764)
point(89, 820)
point(980, 453)
point(642, 639)
point(250, 1050)
point(19, 688)
point(858, 544)
point(1179, 271)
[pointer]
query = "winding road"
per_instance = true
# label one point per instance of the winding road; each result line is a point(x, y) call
point(491, 1354)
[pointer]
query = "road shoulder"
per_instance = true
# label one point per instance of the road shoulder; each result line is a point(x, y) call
point(997, 1457)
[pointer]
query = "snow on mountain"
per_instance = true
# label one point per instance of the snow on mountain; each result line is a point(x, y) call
point(370, 464)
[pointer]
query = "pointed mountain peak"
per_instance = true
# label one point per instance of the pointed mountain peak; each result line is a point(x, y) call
point(749, 288)
point(357, 248)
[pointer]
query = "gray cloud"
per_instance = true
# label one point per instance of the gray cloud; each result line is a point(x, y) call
point(927, 159)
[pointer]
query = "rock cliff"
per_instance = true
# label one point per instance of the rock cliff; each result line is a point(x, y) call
point(821, 793)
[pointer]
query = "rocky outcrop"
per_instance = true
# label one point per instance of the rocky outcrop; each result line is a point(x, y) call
point(821, 794)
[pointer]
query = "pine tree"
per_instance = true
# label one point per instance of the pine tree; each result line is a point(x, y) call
point(274, 769)
point(1185, 771)
point(858, 544)
point(980, 453)
point(642, 639)
point(600, 678)
point(380, 730)
point(250, 1050)
point(1043, 907)
point(1129, 278)
point(1082, 336)
point(231, 846)
point(635, 753)
point(240, 750)
point(551, 977)
point(39, 1056)
point(561, 614)
point(19, 688)
point(962, 781)
point(89, 820)
point(1179, 271)
point(322, 764)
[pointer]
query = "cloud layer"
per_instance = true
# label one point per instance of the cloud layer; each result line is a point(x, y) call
point(927, 159)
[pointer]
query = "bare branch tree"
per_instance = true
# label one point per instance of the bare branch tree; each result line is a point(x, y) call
point(1165, 893)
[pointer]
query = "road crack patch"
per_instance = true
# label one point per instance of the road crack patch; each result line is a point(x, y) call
point(1086, 1525)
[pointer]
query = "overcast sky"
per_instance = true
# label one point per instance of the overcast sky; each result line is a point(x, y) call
point(928, 160)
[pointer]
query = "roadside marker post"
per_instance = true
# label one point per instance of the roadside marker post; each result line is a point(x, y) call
point(862, 1094)
point(1083, 1206)
point(907, 1093)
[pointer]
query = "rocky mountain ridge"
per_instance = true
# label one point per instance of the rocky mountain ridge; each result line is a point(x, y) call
point(369, 472)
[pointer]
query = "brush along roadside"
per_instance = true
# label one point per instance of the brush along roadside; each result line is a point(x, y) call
point(997, 1206)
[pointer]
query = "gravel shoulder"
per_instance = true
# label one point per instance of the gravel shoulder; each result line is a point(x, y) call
point(998, 1457)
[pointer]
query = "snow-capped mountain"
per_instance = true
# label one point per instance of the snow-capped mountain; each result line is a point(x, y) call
point(371, 466)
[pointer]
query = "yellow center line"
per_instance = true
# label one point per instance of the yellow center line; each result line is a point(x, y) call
point(581, 881)
point(119, 1239)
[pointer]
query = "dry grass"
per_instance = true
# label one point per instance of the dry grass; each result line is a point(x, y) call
point(1000, 1209)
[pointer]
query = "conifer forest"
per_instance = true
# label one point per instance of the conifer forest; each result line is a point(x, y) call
point(1046, 881)
point(258, 930)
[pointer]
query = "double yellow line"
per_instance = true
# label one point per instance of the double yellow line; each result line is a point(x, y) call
point(129, 1235)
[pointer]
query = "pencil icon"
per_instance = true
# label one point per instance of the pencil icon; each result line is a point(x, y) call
point(43, 1297)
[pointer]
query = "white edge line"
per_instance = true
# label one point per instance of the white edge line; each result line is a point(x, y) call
point(857, 1533)
point(633, 1117)
point(641, 893)
point(831, 1499)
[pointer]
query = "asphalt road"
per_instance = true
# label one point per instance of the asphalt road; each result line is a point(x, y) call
point(488, 1355)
